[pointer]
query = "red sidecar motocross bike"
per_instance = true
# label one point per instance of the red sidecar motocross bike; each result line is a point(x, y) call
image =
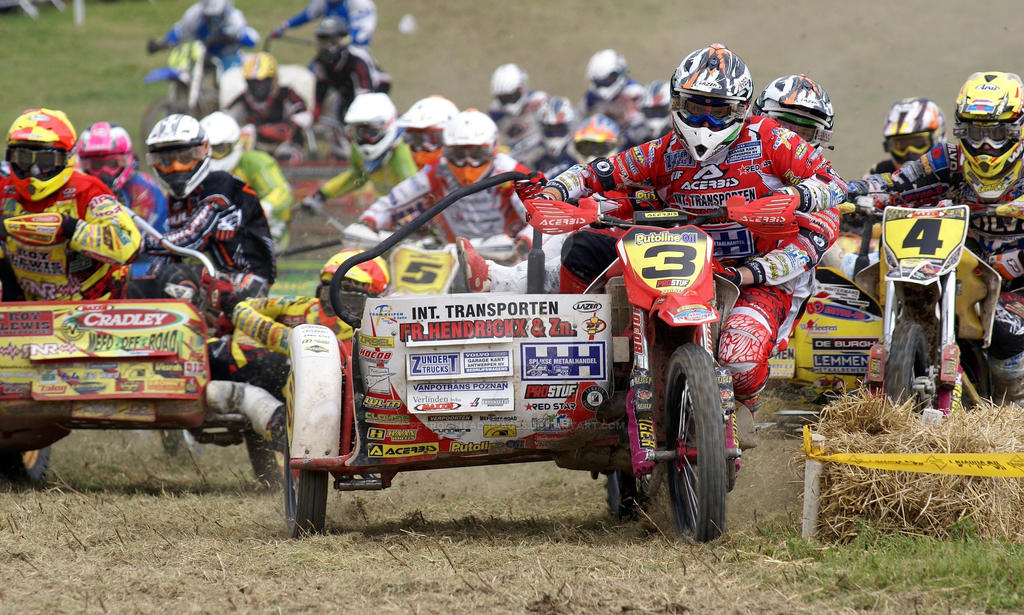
point(491, 378)
point(115, 364)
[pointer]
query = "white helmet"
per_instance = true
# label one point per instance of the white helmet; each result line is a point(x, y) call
point(431, 112)
point(606, 72)
point(508, 86)
point(711, 92)
point(225, 137)
point(655, 107)
point(470, 142)
point(798, 103)
point(371, 122)
point(215, 7)
point(556, 121)
point(179, 152)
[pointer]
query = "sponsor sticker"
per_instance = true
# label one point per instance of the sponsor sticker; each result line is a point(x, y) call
point(555, 361)
point(434, 365)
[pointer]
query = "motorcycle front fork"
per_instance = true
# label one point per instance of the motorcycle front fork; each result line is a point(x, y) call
point(640, 400)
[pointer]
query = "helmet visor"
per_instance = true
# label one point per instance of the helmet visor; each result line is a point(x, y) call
point(704, 111)
point(995, 135)
point(40, 163)
point(176, 160)
point(908, 147)
point(469, 155)
point(423, 140)
point(260, 88)
point(656, 113)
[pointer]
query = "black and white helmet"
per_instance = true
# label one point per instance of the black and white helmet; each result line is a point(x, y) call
point(799, 104)
point(179, 151)
point(711, 93)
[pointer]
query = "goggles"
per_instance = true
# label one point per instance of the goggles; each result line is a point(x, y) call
point(656, 113)
point(43, 163)
point(469, 155)
point(260, 88)
point(608, 80)
point(808, 130)
point(332, 42)
point(365, 134)
point(353, 297)
point(555, 131)
point(510, 98)
point(715, 113)
point(906, 147)
point(98, 163)
point(594, 149)
point(996, 134)
point(423, 140)
point(176, 160)
point(221, 150)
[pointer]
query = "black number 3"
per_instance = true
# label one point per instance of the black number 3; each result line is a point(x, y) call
point(685, 261)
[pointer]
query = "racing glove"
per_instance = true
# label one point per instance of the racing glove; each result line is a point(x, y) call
point(1008, 264)
point(153, 46)
point(532, 187)
point(857, 187)
point(729, 273)
point(314, 203)
point(279, 31)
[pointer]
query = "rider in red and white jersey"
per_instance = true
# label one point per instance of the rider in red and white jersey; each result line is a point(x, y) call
point(714, 152)
point(470, 154)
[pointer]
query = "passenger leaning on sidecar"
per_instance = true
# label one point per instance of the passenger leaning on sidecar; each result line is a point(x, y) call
point(984, 166)
point(470, 154)
point(84, 238)
point(213, 212)
point(257, 351)
point(716, 151)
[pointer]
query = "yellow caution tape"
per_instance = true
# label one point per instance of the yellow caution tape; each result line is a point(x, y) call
point(1007, 465)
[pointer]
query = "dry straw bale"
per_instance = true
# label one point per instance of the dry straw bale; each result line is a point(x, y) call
point(917, 503)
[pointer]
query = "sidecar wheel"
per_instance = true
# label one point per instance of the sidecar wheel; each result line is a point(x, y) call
point(908, 360)
point(624, 499)
point(310, 503)
point(693, 413)
point(26, 466)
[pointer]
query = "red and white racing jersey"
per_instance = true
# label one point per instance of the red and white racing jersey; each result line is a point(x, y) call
point(486, 213)
point(766, 157)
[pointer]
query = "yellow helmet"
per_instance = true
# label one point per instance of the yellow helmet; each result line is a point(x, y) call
point(371, 276)
point(260, 65)
point(41, 152)
point(989, 121)
point(260, 72)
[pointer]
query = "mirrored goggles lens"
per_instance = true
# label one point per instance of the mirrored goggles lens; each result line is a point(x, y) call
point(654, 113)
point(908, 145)
point(594, 149)
point(39, 163)
point(221, 150)
point(511, 97)
point(555, 131)
point(99, 163)
point(176, 160)
point(423, 140)
point(608, 80)
point(469, 155)
point(365, 134)
point(715, 113)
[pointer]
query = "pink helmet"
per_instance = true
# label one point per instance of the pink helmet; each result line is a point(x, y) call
point(105, 151)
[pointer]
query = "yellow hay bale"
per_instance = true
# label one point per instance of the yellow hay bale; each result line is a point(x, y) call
point(915, 503)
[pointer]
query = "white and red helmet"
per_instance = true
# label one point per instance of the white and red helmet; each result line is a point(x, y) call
point(470, 143)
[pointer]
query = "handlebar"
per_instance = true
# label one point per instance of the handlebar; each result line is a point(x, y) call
point(147, 228)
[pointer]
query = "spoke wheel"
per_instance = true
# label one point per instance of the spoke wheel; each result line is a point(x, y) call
point(696, 483)
point(907, 362)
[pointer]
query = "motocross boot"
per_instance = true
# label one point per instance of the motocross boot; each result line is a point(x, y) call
point(746, 433)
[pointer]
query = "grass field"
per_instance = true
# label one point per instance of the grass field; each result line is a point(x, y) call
point(120, 528)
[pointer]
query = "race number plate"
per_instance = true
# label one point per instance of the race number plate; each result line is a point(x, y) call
point(922, 244)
